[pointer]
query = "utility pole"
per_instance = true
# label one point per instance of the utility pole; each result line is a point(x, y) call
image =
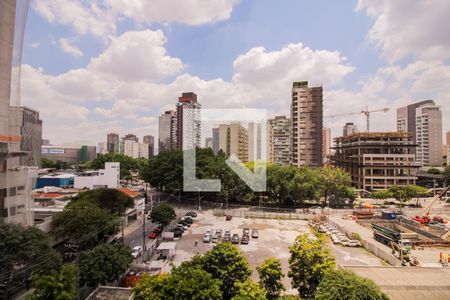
point(123, 234)
point(226, 203)
point(143, 237)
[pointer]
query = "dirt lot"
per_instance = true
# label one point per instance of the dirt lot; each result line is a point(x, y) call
point(275, 236)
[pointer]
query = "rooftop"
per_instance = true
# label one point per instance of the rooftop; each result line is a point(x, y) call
point(110, 293)
point(129, 192)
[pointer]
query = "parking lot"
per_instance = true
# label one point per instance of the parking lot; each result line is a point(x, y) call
point(275, 236)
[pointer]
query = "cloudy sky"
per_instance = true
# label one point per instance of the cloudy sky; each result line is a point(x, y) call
point(99, 66)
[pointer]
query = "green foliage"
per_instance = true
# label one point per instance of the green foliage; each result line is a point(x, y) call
point(113, 200)
point(164, 171)
point(127, 164)
point(249, 290)
point(334, 185)
point(404, 193)
point(270, 276)
point(163, 214)
point(57, 286)
point(346, 285)
point(447, 175)
point(23, 246)
point(84, 221)
point(104, 263)
point(152, 287)
point(381, 194)
point(47, 163)
point(226, 263)
point(433, 171)
point(309, 262)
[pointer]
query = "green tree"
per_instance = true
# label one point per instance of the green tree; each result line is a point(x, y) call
point(152, 287)
point(61, 165)
point(346, 285)
point(113, 200)
point(270, 276)
point(447, 175)
point(309, 262)
point(434, 171)
point(22, 247)
point(83, 221)
point(127, 164)
point(404, 193)
point(163, 214)
point(57, 285)
point(164, 171)
point(334, 185)
point(381, 194)
point(249, 290)
point(226, 263)
point(47, 163)
point(104, 263)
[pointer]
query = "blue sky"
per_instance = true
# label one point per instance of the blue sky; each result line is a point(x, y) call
point(234, 54)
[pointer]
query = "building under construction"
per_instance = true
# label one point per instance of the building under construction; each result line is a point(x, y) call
point(377, 160)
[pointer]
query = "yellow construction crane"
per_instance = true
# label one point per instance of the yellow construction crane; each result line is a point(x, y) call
point(366, 112)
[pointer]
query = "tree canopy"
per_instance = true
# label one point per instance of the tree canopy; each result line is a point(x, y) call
point(83, 221)
point(163, 214)
point(447, 175)
point(270, 276)
point(104, 263)
point(57, 285)
point(127, 163)
point(346, 285)
point(20, 247)
point(309, 262)
point(113, 200)
point(249, 290)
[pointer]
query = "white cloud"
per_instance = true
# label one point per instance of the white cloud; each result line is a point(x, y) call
point(191, 12)
point(35, 45)
point(404, 27)
point(68, 48)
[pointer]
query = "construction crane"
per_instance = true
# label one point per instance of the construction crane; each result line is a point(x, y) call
point(366, 112)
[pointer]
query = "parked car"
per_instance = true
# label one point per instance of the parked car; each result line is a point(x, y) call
point(226, 238)
point(177, 232)
point(227, 232)
point(136, 251)
point(185, 223)
point(228, 217)
point(354, 243)
point(207, 238)
point(208, 231)
point(235, 239)
point(215, 238)
point(255, 233)
point(245, 238)
point(153, 235)
point(245, 231)
point(191, 214)
point(219, 232)
point(184, 227)
point(186, 220)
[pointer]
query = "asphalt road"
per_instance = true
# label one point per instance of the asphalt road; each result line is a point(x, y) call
point(135, 238)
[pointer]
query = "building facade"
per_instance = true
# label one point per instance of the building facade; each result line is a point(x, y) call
point(131, 137)
point(233, 139)
point(167, 131)
point(71, 154)
point(377, 160)
point(209, 142)
point(260, 138)
point(150, 141)
point(215, 136)
point(349, 129)
point(188, 132)
point(326, 144)
point(105, 178)
point(429, 135)
point(281, 140)
point(307, 125)
point(112, 143)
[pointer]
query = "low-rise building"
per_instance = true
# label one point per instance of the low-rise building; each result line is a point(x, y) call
point(106, 178)
point(57, 180)
point(139, 205)
point(71, 154)
point(377, 160)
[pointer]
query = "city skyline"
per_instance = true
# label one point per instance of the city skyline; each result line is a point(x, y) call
point(357, 67)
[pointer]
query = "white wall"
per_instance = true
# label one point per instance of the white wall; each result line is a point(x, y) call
point(108, 177)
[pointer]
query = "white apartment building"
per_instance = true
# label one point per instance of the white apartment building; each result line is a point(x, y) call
point(429, 135)
point(106, 178)
point(135, 149)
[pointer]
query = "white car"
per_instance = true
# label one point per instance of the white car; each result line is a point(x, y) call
point(206, 238)
point(136, 251)
point(354, 243)
point(184, 227)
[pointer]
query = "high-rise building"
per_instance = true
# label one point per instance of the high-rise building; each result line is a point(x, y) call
point(260, 145)
point(188, 133)
point(131, 137)
point(406, 118)
point(135, 149)
point(377, 160)
point(233, 139)
point(167, 131)
point(150, 141)
point(112, 143)
point(215, 136)
point(16, 181)
point(71, 154)
point(429, 135)
point(281, 140)
point(326, 143)
point(349, 129)
point(447, 138)
point(209, 142)
point(102, 148)
point(307, 125)
point(31, 134)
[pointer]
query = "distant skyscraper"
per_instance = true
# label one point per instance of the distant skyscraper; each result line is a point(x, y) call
point(167, 131)
point(131, 137)
point(349, 129)
point(215, 136)
point(150, 141)
point(447, 138)
point(233, 139)
point(326, 143)
point(281, 140)
point(112, 142)
point(429, 135)
point(307, 125)
point(102, 148)
point(188, 122)
point(209, 142)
